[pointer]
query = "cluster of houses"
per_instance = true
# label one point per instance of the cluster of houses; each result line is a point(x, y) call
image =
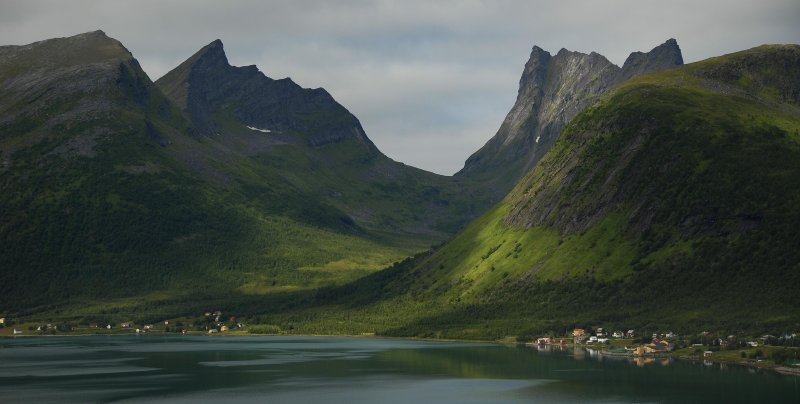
point(659, 344)
point(213, 322)
point(218, 324)
point(581, 336)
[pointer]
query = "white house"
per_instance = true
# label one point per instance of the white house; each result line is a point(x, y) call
point(592, 339)
point(602, 340)
point(17, 332)
point(617, 334)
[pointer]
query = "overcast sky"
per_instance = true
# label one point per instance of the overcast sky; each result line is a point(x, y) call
point(430, 81)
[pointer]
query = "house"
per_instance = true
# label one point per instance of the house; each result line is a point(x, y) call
point(543, 341)
point(592, 339)
point(658, 346)
point(17, 332)
point(752, 344)
point(125, 325)
point(579, 339)
point(602, 340)
point(639, 351)
point(93, 325)
point(108, 326)
point(670, 334)
point(223, 328)
point(578, 332)
point(148, 326)
point(2, 320)
point(166, 322)
point(723, 344)
point(600, 332)
point(630, 334)
point(707, 354)
point(617, 334)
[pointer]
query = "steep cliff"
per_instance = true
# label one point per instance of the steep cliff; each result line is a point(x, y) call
point(552, 91)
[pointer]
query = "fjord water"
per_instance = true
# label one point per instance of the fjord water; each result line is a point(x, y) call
point(334, 369)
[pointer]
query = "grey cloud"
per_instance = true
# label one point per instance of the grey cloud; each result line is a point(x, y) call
point(430, 81)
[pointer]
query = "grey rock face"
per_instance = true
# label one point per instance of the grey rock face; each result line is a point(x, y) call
point(662, 57)
point(206, 85)
point(552, 91)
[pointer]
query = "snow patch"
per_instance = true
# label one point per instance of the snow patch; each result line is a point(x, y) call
point(258, 129)
point(537, 139)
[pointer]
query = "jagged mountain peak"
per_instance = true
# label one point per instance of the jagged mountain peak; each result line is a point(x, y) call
point(553, 89)
point(662, 57)
point(209, 89)
point(214, 50)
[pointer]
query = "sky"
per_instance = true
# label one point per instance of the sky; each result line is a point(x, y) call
point(430, 81)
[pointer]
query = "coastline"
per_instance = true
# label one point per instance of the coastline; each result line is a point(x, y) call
point(754, 365)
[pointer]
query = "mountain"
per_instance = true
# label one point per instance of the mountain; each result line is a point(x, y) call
point(553, 90)
point(318, 146)
point(668, 204)
point(116, 197)
point(206, 87)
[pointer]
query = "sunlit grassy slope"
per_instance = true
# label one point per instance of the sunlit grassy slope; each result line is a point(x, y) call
point(672, 203)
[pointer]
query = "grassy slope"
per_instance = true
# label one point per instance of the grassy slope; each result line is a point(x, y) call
point(151, 211)
point(671, 203)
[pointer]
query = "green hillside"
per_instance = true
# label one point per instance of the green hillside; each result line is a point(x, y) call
point(113, 201)
point(671, 203)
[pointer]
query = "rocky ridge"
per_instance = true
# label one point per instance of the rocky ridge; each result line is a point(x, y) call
point(553, 90)
point(208, 88)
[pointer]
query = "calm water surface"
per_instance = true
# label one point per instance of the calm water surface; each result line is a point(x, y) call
point(346, 370)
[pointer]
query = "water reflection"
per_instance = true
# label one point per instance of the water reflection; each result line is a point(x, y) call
point(302, 369)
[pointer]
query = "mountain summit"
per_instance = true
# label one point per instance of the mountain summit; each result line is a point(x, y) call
point(553, 90)
point(209, 90)
point(662, 57)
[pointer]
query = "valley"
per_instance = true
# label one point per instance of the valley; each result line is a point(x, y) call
point(653, 196)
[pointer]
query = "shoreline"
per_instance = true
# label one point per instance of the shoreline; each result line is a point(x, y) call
point(775, 368)
point(771, 367)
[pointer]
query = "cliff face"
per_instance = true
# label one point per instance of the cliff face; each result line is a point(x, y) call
point(552, 91)
point(208, 88)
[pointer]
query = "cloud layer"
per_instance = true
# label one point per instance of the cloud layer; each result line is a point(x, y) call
point(430, 81)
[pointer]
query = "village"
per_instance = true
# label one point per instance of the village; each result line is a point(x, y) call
point(210, 322)
point(781, 351)
point(768, 350)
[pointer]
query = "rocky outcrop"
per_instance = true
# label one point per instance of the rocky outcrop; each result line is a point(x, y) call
point(662, 57)
point(553, 90)
point(207, 87)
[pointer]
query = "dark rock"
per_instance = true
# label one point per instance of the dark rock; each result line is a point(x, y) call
point(207, 86)
point(662, 57)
